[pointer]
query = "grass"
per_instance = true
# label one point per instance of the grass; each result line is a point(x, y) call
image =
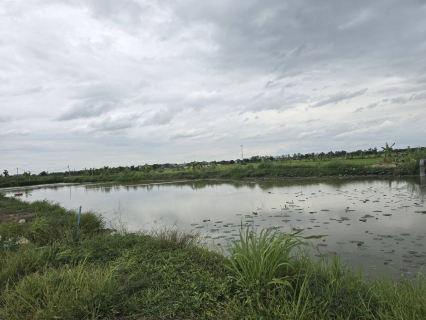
point(167, 274)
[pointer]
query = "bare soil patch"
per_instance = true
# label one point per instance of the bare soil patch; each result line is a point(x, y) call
point(5, 217)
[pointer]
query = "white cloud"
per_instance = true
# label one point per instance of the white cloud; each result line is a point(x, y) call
point(14, 132)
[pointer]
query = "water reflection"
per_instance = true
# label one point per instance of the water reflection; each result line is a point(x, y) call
point(385, 215)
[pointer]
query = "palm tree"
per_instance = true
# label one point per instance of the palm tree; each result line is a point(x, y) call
point(388, 152)
point(196, 165)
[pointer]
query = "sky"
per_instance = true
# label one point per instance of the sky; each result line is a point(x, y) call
point(93, 83)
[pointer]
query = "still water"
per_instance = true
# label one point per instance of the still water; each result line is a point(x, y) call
point(378, 224)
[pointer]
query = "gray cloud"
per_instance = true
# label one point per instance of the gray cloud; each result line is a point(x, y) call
point(338, 97)
point(191, 133)
point(312, 120)
point(299, 50)
point(404, 100)
point(400, 100)
point(115, 122)
point(162, 117)
point(87, 109)
point(93, 100)
point(270, 84)
point(418, 96)
point(125, 13)
point(372, 105)
point(4, 119)
point(384, 126)
point(359, 109)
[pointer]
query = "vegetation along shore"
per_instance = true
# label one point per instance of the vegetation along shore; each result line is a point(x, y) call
point(371, 162)
point(52, 269)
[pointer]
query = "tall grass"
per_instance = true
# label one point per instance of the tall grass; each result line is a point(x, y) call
point(402, 300)
point(275, 280)
point(261, 260)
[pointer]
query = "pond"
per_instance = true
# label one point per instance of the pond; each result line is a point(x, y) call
point(378, 224)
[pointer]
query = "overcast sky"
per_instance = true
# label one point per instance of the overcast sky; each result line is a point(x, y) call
point(121, 82)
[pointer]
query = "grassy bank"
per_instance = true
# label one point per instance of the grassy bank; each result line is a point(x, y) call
point(51, 269)
point(264, 170)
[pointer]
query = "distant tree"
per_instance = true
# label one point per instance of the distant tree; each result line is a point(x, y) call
point(146, 168)
point(43, 173)
point(6, 173)
point(255, 159)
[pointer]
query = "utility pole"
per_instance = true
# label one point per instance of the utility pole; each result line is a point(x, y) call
point(69, 171)
point(16, 173)
point(242, 154)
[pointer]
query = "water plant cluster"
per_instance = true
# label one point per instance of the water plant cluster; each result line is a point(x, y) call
point(50, 269)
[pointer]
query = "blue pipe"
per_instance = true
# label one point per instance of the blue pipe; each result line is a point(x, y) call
point(78, 219)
